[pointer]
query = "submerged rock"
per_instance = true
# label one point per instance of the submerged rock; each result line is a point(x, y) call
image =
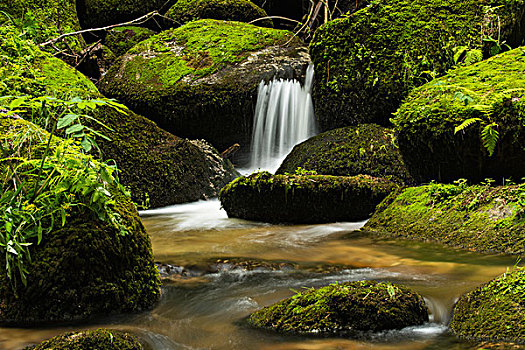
point(479, 218)
point(303, 198)
point(493, 312)
point(229, 10)
point(157, 166)
point(490, 96)
point(366, 63)
point(85, 266)
point(351, 307)
point(365, 149)
point(100, 339)
point(201, 80)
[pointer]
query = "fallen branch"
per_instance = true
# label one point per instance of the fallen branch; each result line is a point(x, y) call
point(139, 20)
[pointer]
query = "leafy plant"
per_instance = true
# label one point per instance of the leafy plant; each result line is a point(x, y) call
point(45, 179)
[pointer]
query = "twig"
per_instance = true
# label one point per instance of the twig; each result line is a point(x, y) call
point(139, 20)
point(87, 52)
point(272, 17)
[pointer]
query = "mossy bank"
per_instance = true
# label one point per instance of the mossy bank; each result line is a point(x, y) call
point(493, 311)
point(349, 308)
point(481, 218)
point(200, 80)
point(490, 95)
point(366, 63)
point(85, 266)
point(365, 149)
point(303, 198)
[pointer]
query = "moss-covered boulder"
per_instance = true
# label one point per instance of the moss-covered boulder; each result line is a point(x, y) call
point(85, 266)
point(157, 166)
point(365, 149)
point(100, 13)
point(494, 311)
point(303, 198)
point(200, 80)
point(100, 339)
point(121, 39)
point(351, 307)
point(367, 63)
point(44, 19)
point(480, 218)
point(492, 91)
point(229, 10)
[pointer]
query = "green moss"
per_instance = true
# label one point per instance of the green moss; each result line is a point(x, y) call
point(365, 149)
point(46, 19)
point(303, 198)
point(101, 339)
point(83, 268)
point(100, 13)
point(426, 121)
point(121, 39)
point(197, 82)
point(494, 312)
point(229, 10)
point(367, 63)
point(348, 307)
point(479, 218)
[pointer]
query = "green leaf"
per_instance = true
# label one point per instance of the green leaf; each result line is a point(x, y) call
point(66, 120)
point(490, 136)
point(86, 144)
point(466, 123)
point(74, 129)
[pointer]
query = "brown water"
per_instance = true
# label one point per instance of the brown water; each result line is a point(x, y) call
point(206, 311)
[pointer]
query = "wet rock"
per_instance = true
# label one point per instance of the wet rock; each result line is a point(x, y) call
point(348, 308)
point(493, 312)
point(100, 339)
point(365, 149)
point(304, 198)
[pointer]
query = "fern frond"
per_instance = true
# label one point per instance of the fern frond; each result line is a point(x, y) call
point(490, 136)
point(466, 123)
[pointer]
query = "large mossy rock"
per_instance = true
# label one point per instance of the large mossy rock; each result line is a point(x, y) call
point(365, 149)
point(491, 90)
point(85, 267)
point(157, 166)
point(479, 218)
point(229, 10)
point(493, 312)
point(303, 198)
point(100, 13)
point(350, 307)
point(367, 63)
point(200, 80)
point(100, 339)
point(46, 19)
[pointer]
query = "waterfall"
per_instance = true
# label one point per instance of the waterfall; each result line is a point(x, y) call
point(284, 117)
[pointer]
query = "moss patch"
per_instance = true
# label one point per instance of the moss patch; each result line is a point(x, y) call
point(101, 339)
point(366, 149)
point(348, 307)
point(493, 312)
point(479, 218)
point(303, 198)
point(229, 10)
point(366, 64)
point(491, 90)
point(121, 39)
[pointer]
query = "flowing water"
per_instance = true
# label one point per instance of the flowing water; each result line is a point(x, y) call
point(204, 303)
point(284, 117)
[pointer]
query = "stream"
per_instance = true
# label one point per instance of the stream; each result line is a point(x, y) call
point(224, 269)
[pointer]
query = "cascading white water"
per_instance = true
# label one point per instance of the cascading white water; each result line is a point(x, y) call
point(284, 117)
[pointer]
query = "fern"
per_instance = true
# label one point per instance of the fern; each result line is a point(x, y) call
point(466, 123)
point(490, 136)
